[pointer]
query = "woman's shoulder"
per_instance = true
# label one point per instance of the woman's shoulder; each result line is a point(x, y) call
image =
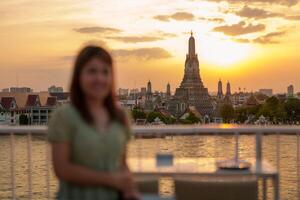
point(125, 121)
point(66, 111)
point(61, 124)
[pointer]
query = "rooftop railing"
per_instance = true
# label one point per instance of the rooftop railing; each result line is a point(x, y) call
point(160, 131)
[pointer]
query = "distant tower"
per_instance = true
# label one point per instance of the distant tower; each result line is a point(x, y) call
point(290, 91)
point(168, 94)
point(228, 89)
point(149, 102)
point(149, 87)
point(220, 89)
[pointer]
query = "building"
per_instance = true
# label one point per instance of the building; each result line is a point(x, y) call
point(149, 97)
point(123, 92)
point(290, 91)
point(8, 105)
point(61, 97)
point(20, 89)
point(220, 90)
point(251, 101)
point(35, 107)
point(128, 103)
point(54, 89)
point(191, 88)
point(239, 98)
point(267, 92)
point(143, 91)
point(228, 89)
point(133, 94)
point(168, 92)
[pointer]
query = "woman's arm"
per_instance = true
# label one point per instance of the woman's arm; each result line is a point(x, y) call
point(70, 172)
point(132, 192)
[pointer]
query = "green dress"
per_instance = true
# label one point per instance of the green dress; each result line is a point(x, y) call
point(96, 150)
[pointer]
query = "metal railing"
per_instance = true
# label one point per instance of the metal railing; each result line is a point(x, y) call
point(153, 132)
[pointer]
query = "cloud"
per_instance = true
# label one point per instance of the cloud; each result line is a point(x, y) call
point(95, 42)
point(65, 58)
point(142, 53)
point(97, 29)
point(179, 16)
point(269, 38)
point(292, 17)
point(135, 39)
point(264, 39)
point(126, 54)
point(159, 35)
point(214, 19)
point(241, 40)
point(240, 29)
point(256, 13)
point(281, 2)
point(182, 16)
point(165, 34)
point(164, 18)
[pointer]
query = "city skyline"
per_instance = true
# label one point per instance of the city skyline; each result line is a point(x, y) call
point(238, 41)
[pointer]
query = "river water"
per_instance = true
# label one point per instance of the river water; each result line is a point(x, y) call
point(180, 146)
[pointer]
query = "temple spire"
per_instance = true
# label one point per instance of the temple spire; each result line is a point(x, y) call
point(192, 51)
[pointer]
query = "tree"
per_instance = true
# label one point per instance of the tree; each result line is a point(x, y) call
point(273, 109)
point(193, 118)
point(138, 114)
point(292, 108)
point(241, 114)
point(23, 119)
point(165, 119)
point(227, 112)
point(152, 115)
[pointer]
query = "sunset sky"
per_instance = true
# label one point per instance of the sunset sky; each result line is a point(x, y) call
point(252, 43)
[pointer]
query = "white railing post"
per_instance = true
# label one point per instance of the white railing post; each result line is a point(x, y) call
point(12, 166)
point(298, 164)
point(277, 196)
point(216, 146)
point(48, 169)
point(258, 150)
point(29, 165)
point(139, 143)
point(236, 155)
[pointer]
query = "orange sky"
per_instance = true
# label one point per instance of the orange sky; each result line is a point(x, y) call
point(252, 43)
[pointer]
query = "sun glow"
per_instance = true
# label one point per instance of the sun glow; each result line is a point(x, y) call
point(223, 52)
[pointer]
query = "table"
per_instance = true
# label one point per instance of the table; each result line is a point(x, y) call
point(203, 167)
point(155, 197)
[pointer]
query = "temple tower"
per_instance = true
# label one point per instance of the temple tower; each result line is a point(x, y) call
point(191, 88)
point(149, 87)
point(168, 92)
point(228, 89)
point(220, 90)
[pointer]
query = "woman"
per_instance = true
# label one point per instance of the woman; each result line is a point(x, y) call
point(89, 136)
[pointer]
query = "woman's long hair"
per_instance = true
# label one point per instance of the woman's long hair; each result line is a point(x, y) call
point(77, 95)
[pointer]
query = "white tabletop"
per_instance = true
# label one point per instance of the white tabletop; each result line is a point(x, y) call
point(194, 166)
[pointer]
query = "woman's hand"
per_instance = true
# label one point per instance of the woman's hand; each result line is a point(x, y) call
point(123, 181)
point(133, 195)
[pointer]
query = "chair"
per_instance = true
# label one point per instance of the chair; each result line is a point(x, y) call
point(147, 185)
point(216, 188)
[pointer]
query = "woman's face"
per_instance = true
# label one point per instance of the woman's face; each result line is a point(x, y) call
point(96, 79)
